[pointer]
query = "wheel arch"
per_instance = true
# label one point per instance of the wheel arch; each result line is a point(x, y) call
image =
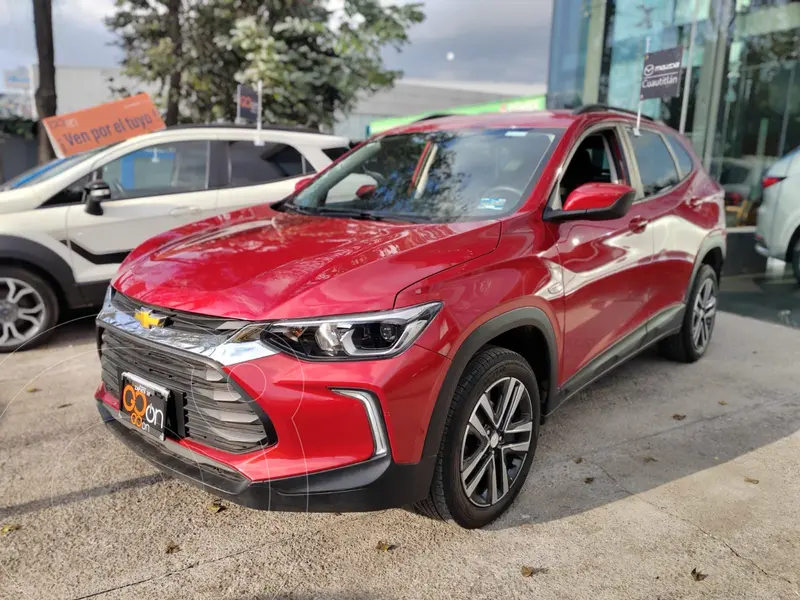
point(26, 254)
point(522, 330)
point(712, 253)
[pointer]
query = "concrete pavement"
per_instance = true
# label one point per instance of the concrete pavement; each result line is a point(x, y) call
point(624, 500)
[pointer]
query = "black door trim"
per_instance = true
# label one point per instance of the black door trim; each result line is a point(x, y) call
point(108, 258)
point(662, 325)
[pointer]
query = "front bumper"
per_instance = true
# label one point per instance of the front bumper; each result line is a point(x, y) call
point(375, 484)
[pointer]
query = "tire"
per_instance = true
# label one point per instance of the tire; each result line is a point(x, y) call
point(688, 345)
point(490, 373)
point(796, 259)
point(28, 309)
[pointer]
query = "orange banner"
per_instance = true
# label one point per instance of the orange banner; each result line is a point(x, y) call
point(102, 125)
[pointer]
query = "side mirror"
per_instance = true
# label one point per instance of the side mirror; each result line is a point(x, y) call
point(365, 191)
point(595, 202)
point(302, 183)
point(95, 193)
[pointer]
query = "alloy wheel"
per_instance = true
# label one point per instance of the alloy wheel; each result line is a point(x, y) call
point(22, 312)
point(703, 312)
point(496, 441)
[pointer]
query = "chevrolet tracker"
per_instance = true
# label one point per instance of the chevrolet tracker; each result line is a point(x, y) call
point(394, 332)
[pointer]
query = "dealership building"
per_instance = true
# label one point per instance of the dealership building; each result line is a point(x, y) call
point(743, 109)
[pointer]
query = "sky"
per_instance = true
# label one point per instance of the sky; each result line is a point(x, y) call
point(491, 40)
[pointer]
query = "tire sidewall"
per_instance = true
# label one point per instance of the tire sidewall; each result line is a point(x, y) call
point(705, 273)
point(796, 259)
point(49, 298)
point(461, 509)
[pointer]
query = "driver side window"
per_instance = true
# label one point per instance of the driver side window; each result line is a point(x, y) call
point(598, 159)
point(161, 169)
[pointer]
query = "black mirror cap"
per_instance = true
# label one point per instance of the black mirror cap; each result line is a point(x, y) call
point(617, 210)
point(95, 193)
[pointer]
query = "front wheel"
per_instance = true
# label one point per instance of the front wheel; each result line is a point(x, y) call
point(28, 309)
point(692, 341)
point(489, 440)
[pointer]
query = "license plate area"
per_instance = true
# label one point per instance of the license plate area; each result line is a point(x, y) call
point(144, 404)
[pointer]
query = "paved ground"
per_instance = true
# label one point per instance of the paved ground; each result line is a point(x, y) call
point(624, 499)
point(774, 297)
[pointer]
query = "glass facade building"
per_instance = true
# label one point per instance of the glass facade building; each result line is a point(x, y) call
point(743, 109)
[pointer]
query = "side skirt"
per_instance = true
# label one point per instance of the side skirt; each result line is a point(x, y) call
point(662, 325)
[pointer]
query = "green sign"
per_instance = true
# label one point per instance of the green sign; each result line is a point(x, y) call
point(527, 103)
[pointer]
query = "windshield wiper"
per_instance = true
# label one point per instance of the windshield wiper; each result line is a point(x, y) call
point(291, 207)
point(366, 215)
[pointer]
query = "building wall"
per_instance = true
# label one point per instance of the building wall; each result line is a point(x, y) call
point(408, 98)
point(743, 110)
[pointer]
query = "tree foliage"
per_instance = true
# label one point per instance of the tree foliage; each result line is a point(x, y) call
point(312, 61)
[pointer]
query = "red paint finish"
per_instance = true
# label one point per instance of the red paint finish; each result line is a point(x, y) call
point(596, 281)
point(259, 264)
point(591, 196)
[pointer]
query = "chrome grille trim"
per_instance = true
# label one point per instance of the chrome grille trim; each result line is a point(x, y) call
point(215, 413)
point(206, 343)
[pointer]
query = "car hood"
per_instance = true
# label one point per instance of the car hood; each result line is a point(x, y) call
point(12, 201)
point(258, 263)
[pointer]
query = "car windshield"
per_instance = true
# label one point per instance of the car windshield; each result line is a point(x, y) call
point(433, 176)
point(46, 171)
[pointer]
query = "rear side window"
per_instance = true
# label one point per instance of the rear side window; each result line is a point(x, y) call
point(336, 153)
point(656, 167)
point(685, 162)
point(249, 164)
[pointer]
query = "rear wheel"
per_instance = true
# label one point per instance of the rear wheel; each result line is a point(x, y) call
point(28, 309)
point(796, 259)
point(692, 341)
point(489, 440)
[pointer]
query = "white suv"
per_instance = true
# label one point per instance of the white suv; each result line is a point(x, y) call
point(778, 227)
point(58, 253)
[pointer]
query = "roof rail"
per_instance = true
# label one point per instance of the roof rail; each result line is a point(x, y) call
point(295, 128)
point(433, 116)
point(590, 108)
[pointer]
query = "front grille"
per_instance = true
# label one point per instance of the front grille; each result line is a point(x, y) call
point(207, 406)
point(178, 320)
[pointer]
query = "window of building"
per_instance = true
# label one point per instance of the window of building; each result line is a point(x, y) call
point(161, 169)
point(656, 167)
point(685, 162)
point(252, 165)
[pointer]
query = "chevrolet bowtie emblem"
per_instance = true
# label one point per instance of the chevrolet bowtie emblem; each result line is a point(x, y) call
point(148, 319)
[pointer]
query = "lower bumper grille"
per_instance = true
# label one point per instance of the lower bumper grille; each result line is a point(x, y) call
point(208, 407)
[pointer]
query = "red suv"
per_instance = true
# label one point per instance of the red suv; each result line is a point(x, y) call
point(395, 331)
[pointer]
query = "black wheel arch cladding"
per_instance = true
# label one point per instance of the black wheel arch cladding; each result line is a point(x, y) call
point(485, 333)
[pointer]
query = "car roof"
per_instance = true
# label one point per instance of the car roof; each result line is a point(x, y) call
point(280, 132)
point(542, 119)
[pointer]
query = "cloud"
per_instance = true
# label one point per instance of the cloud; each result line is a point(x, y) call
point(493, 40)
point(80, 35)
point(501, 40)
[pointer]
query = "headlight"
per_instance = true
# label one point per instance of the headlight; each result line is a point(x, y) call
point(351, 337)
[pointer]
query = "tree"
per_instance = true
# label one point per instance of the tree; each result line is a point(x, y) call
point(46, 90)
point(313, 61)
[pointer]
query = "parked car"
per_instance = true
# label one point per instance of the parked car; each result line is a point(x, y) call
point(59, 252)
point(741, 180)
point(778, 226)
point(402, 346)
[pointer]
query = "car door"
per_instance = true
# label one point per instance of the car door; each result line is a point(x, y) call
point(605, 264)
point(153, 188)
point(256, 174)
point(671, 202)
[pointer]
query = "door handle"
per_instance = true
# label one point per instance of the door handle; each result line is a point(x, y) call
point(638, 224)
point(184, 210)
